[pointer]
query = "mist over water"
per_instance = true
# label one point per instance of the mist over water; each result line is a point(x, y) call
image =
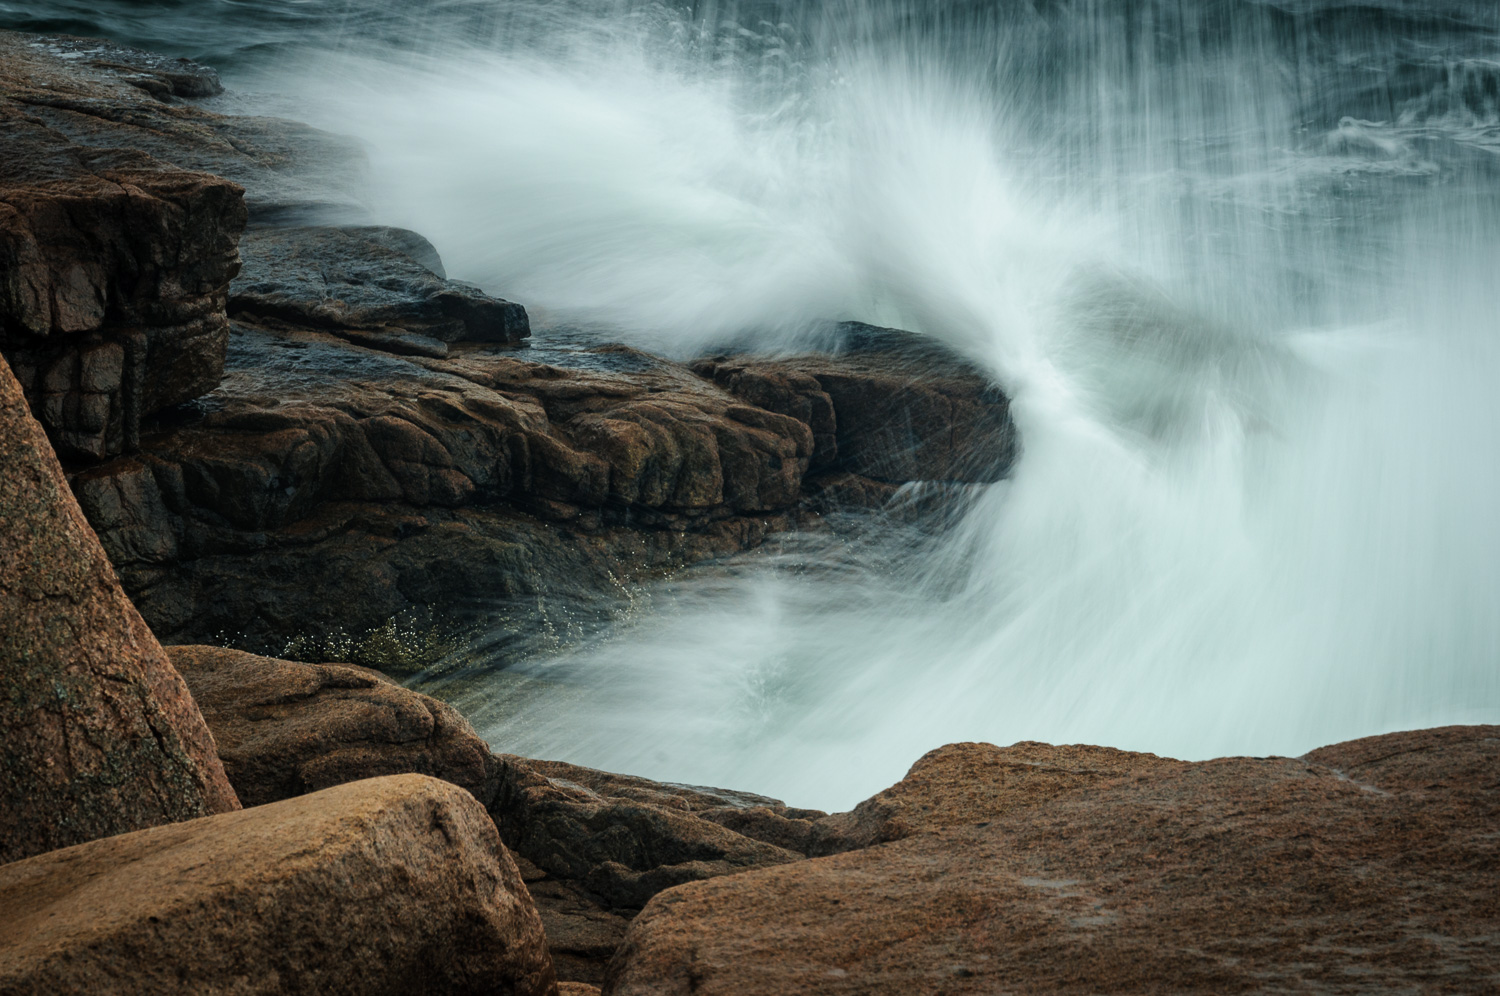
point(1235, 263)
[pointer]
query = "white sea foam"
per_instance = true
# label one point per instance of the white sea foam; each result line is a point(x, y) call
point(1255, 510)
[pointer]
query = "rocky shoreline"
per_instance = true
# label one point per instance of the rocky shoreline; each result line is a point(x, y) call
point(232, 404)
point(328, 401)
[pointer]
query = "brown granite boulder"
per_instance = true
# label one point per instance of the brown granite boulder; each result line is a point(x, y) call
point(966, 783)
point(1074, 870)
point(101, 735)
point(285, 729)
point(392, 885)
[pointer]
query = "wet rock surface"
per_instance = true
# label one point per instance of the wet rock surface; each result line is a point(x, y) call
point(1038, 869)
point(100, 95)
point(114, 264)
point(284, 729)
point(389, 885)
point(622, 848)
point(367, 280)
point(100, 735)
point(883, 404)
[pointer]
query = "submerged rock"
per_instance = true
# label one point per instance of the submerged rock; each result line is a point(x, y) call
point(285, 729)
point(392, 885)
point(1059, 870)
point(101, 736)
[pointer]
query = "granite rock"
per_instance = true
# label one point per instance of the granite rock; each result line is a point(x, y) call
point(392, 885)
point(1067, 870)
point(101, 734)
point(285, 729)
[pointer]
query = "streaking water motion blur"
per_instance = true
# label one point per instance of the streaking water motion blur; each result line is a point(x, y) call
point(1235, 262)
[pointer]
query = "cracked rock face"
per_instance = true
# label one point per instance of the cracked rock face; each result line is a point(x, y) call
point(114, 265)
point(100, 734)
point(322, 462)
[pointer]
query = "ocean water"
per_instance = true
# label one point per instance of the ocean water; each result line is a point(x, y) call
point(1235, 262)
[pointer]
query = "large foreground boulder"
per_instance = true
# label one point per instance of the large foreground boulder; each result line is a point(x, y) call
point(1367, 867)
point(393, 885)
point(285, 728)
point(592, 846)
point(101, 734)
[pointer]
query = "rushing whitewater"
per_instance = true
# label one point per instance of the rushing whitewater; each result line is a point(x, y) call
point(1235, 265)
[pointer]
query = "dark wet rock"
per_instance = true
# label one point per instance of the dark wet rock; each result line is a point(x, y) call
point(620, 849)
point(397, 341)
point(101, 735)
point(884, 404)
point(594, 846)
point(320, 462)
point(393, 885)
point(393, 482)
point(160, 76)
point(582, 934)
point(688, 798)
point(114, 269)
point(793, 830)
point(99, 95)
point(284, 728)
point(1062, 870)
point(365, 279)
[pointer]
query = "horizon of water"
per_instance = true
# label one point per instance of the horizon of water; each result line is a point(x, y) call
point(1233, 262)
